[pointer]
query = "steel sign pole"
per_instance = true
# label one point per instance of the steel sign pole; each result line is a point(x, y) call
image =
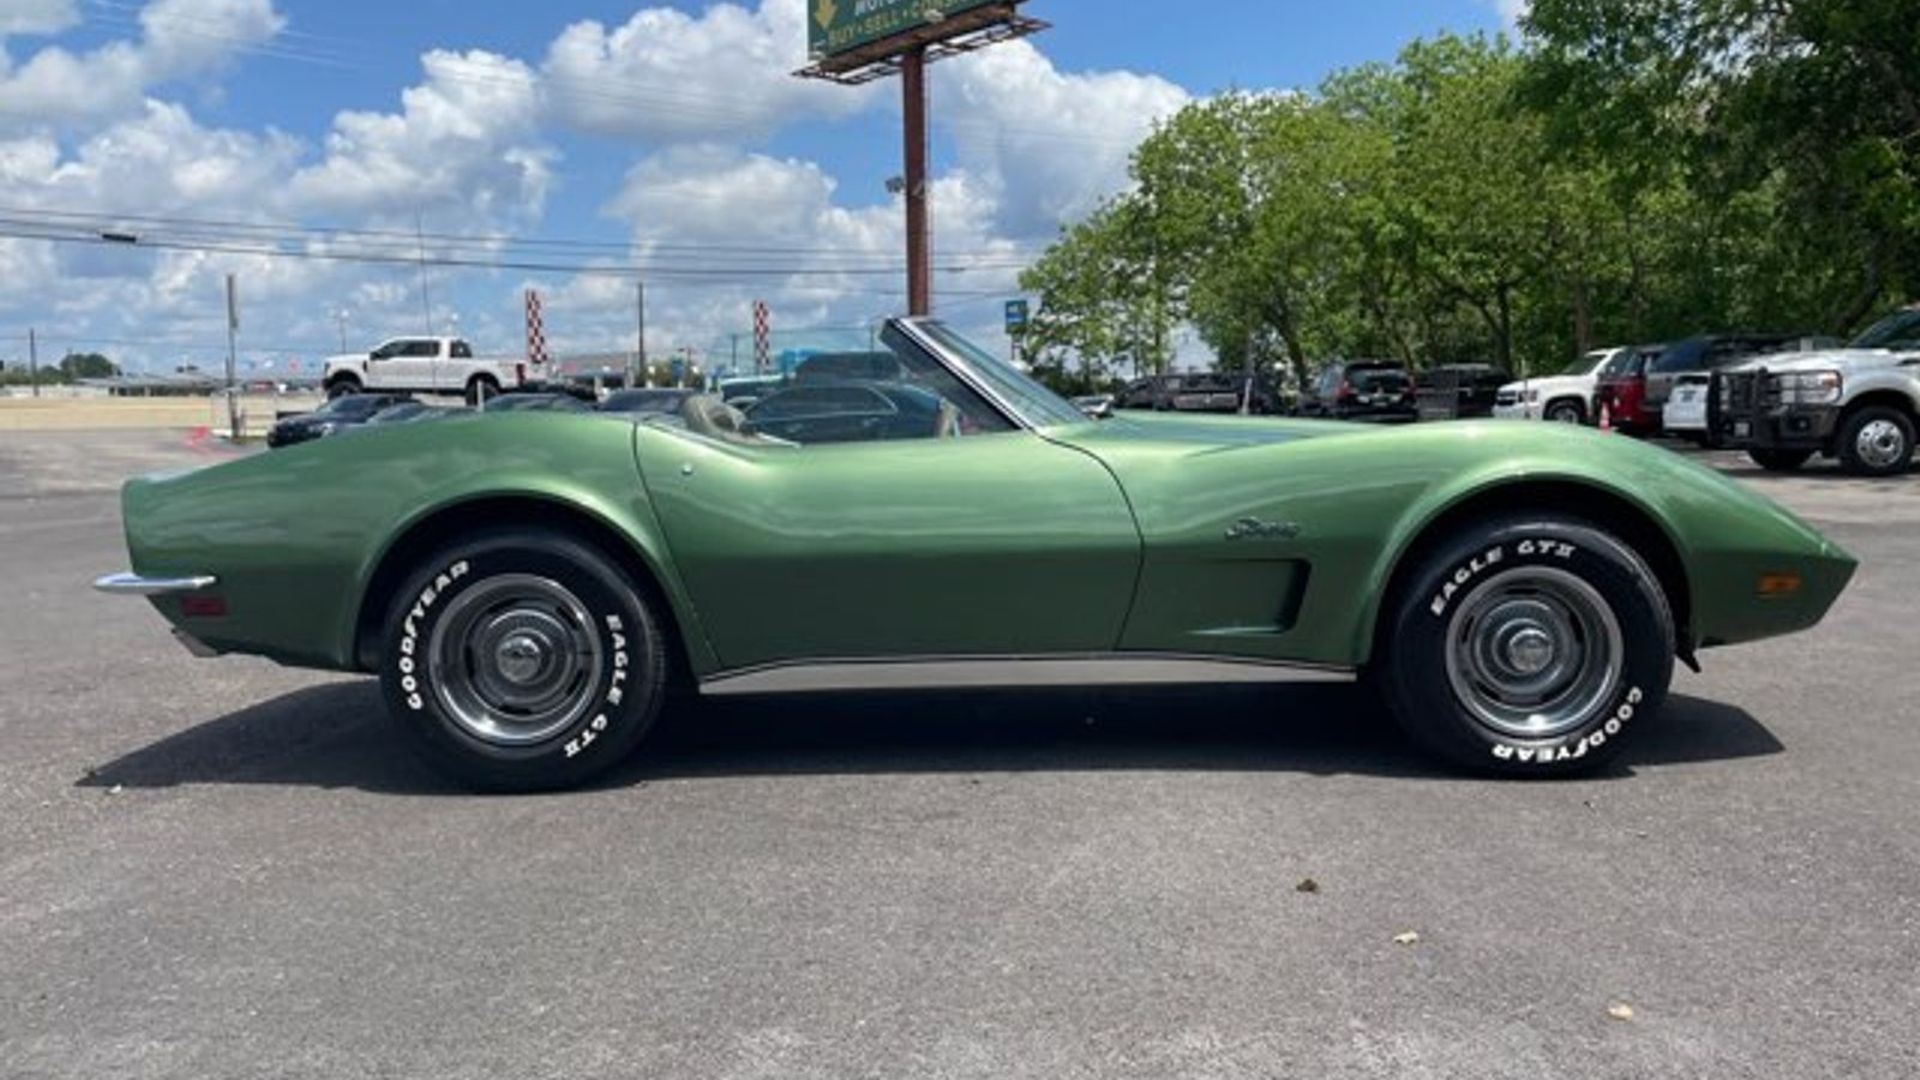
point(913, 80)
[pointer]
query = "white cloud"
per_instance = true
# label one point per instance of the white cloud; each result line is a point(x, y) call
point(470, 145)
point(842, 267)
point(37, 16)
point(179, 39)
point(1053, 142)
point(667, 76)
point(1512, 11)
point(463, 139)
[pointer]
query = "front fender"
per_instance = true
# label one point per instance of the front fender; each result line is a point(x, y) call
point(1725, 536)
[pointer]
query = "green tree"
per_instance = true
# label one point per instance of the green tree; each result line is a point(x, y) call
point(1796, 125)
point(87, 366)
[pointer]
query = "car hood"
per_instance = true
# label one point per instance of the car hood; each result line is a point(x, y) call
point(1831, 360)
point(1553, 384)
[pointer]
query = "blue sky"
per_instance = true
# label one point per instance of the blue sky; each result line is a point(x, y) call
point(671, 132)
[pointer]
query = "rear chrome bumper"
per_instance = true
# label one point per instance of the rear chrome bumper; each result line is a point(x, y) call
point(135, 585)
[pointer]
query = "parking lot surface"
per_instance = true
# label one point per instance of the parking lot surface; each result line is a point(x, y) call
point(226, 869)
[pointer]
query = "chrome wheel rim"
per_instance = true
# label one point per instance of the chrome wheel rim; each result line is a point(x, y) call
point(1564, 414)
point(515, 660)
point(1534, 653)
point(1880, 444)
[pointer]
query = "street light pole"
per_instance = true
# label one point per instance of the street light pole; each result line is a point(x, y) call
point(640, 336)
point(33, 360)
point(233, 352)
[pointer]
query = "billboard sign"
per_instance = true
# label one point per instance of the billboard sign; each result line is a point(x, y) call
point(1017, 316)
point(837, 27)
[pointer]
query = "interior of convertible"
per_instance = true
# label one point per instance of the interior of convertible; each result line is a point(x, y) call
point(897, 390)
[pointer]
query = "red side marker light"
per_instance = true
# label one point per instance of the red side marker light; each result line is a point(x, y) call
point(1779, 586)
point(203, 607)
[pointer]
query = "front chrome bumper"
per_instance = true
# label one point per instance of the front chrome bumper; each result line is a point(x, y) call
point(135, 585)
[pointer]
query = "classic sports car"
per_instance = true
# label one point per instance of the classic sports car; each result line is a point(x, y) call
point(529, 587)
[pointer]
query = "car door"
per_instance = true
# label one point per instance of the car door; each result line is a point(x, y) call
point(1002, 544)
point(397, 365)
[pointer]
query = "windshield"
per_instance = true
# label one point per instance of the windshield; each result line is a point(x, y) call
point(1035, 405)
point(1900, 330)
point(1590, 363)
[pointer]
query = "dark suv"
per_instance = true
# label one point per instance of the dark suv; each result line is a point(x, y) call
point(1698, 356)
point(1460, 391)
point(1376, 390)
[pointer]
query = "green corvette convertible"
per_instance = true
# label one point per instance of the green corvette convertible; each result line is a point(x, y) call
point(533, 588)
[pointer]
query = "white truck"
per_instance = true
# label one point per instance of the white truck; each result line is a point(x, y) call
point(1860, 404)
point(425, 365)
point(1566, 398)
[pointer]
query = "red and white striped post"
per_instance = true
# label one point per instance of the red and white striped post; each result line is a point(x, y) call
point(762, 337)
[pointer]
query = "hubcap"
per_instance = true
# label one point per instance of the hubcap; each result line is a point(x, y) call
point(1534, 653)
point(516, 660)
point(1881, 444)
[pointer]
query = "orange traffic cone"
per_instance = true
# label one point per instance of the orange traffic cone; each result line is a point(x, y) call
point(1606, 418)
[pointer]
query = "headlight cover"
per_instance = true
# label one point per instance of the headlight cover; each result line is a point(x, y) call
point(1808, 387)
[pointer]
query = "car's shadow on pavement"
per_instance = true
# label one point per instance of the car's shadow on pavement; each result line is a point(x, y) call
point(338, 736)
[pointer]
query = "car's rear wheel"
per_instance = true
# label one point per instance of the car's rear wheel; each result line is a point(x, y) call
point(1567, 412)
point(523, 660)
point(1780, 460)
point(482, 390)
point(1877, 441)
point(1528, 646)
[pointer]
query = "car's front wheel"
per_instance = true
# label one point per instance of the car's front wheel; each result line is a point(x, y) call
point(1877, 441)
point(1530, 646)
point(1567, 412)
point(523, 660)
point(342, 387)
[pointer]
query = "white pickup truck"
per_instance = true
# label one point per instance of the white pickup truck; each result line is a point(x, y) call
point(1860, 404)
point(424, 365)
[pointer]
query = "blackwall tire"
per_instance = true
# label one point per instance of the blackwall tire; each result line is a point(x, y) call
point(1566, 412)
point(1528, 647)
point(1877, 441)
point(340, 388)
point(480, 391)
point(523, 660)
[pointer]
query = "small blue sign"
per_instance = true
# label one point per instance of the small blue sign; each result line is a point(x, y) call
point(1017, 315)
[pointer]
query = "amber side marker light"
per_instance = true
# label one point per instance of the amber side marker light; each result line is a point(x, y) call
point(1779, 586)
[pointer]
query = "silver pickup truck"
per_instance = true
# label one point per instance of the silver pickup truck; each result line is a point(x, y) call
point(1860, 404)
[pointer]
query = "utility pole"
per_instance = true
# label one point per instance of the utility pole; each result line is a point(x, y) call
point(33, 360)
point(426, 296)
point(640, 336)
point(233, 353)
point(913, 81)
point(341, 315)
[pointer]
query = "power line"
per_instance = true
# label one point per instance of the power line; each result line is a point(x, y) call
point(15, 230)
point(408, 239)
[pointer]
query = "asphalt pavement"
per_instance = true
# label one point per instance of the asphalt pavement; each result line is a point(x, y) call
point(217, 869)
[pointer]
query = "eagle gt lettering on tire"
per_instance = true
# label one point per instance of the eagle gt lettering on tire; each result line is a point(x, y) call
point(523, 660)
point(1528, 646)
